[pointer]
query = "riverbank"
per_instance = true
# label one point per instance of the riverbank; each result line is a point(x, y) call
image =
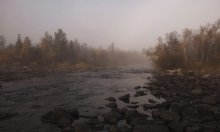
point(192, 105)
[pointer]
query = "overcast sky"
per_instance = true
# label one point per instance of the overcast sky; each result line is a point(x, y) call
point(130, 24)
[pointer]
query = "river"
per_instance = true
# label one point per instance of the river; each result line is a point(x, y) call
point(85, 90)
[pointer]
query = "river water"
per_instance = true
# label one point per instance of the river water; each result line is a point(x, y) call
point(84, 90)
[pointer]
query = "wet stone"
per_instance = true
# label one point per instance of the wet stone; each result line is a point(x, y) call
point(113, 117)
point(125, 98)
point(137, 87)
point(83, 127)
point(6, 115)
point(169, 116)
point(111, 99)
point(140, 93)
point(112, 105)
point(133, 106)
point(150, 128)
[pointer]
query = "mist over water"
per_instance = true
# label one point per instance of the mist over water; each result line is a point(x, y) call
point(129, 24)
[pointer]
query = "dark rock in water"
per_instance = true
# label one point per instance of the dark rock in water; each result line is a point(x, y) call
point(150, 128)
point(68, 129)
point(113, 117)
point(112, 105)
point(211, 125)
point(156, 114)
point(111, 99)
point(169, 116)
point(82, 128)
point(54, 116)
point(140, 93)
point(138, 121)
point(196, 92)
point(64, 122)
point(131, 114)
point(74, 113)
point(5, 115)
point(178, 106)
point(189, 112)
point(156, 106)
point(193, 129)
point(211, 99)
point(113, 128)
point(125, 98)
point(137, 87)
point(175, 126)
point(151, 101)
point(95, 124)
point(133, 106)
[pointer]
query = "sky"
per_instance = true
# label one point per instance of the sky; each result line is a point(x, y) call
point(130, 24)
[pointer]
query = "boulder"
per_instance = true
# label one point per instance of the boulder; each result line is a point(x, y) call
point(210, 99)
point(83, 127)
point(54, 116)
point(169, 116)
point(113, 117)
point(150, 128)
point(137, 87)
point(196, 92)
point(140, 93)
point(111, 99)
point(125, 98)
point(112, 105)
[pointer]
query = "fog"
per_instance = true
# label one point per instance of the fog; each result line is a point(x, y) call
point(130, 24)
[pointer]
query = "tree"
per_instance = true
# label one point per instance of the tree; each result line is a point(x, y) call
point(61, 42)
point(25, 50)
point(2, 42)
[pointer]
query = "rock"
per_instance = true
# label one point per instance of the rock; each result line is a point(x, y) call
point(82, 128)
point(193, 129)
point(113, 117)
point(169, 116)
point(151, 101)
point(74, 113)
point(133, 106)
point(178, 106)
point(155, 106)
point(125, 98)
point(175, 126)
point(0, 86)
point(68, 129)
point(131, 114)
point(54, 116)
point(140, 93)
point(111, 99)
point(150, 128)
point(6, 115)
point(112, 105)
point(196, 92)
point(64, 122)
point(95, 124)
point(211, 99)
point(189, 112)
point(113, 128)
point(211, 125)
point(138, 121)
point(137, 87)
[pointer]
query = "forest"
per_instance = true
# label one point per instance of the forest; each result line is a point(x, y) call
point(197, 50)
point(58, 53)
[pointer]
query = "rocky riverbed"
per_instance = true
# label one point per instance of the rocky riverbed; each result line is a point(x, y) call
point(116, 100)
point(192, 105)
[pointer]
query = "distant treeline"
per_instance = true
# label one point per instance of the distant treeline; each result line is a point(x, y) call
point(191, 50)
point(59, 52)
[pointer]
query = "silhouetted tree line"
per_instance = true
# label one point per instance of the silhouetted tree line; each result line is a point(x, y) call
point(193, 49)
point(57, 51)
